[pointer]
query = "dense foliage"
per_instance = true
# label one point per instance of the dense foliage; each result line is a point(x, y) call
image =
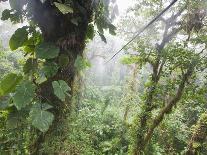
point(153, 102)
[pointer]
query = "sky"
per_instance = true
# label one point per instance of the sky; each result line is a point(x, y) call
point(124, 4)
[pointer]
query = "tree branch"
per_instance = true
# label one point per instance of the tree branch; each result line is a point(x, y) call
point(144, 28)
point(169, 106)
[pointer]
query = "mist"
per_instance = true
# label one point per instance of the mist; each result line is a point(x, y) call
point(103, 77)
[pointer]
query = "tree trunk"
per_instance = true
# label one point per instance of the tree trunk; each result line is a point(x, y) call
point(57, 28)
point(155, 77)
point(198, 137)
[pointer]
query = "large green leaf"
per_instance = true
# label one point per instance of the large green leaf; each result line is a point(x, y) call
point(47, 50)
point(6, 14)
point(90, 31)
point(41, 119)
point(9, 83)
point(112, 29)
point(50, 69)
point(61, 89)
point(65, 9)
point(30, 66)
point(19, 37)
point(15, 118)
point(25, 92)
point(41, 77)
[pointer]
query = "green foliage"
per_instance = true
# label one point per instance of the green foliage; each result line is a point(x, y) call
point(102, 21)
point(18, 38)
point(25, 92)
point(41, 119)
point(9, 83)
point(14, 16)
point(102, 115)
point(90, 32)
point(61, 89)
point(168, 60)
point(30, 66)
point(96, 127)
point(21, 106)
point(50, 69)
point(9, 62)
point(46, 50)
point(64, 8)
point(5, 14)
point(112, 29)
point(130, 60)
point(81, 63)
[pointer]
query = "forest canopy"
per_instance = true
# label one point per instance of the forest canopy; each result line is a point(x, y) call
point(82, 77)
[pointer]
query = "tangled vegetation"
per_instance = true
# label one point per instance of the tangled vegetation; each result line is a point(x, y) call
point(58, 96)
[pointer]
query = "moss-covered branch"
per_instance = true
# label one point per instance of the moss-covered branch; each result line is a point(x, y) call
point(157, 120)
point(199, 136)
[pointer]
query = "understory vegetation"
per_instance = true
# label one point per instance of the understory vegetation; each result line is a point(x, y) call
point(66, 88)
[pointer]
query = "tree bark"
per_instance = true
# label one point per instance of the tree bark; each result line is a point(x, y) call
point(57, 28)
point(157, 69)
point(167, 108)
point(199, 136)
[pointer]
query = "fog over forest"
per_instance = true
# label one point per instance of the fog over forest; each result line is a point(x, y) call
point(103, 77)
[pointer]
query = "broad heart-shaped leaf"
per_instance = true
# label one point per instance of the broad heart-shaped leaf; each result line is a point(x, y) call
point(9, 83)
point(25, 92)
point(61, 89)
point(41, 119)
point(47, 50)
point(65, 9)
point(19, 37)
point(50, 69)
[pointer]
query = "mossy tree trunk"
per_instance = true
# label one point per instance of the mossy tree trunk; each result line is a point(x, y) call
point(157, 69)
point(57, 28)
point(199, 136)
